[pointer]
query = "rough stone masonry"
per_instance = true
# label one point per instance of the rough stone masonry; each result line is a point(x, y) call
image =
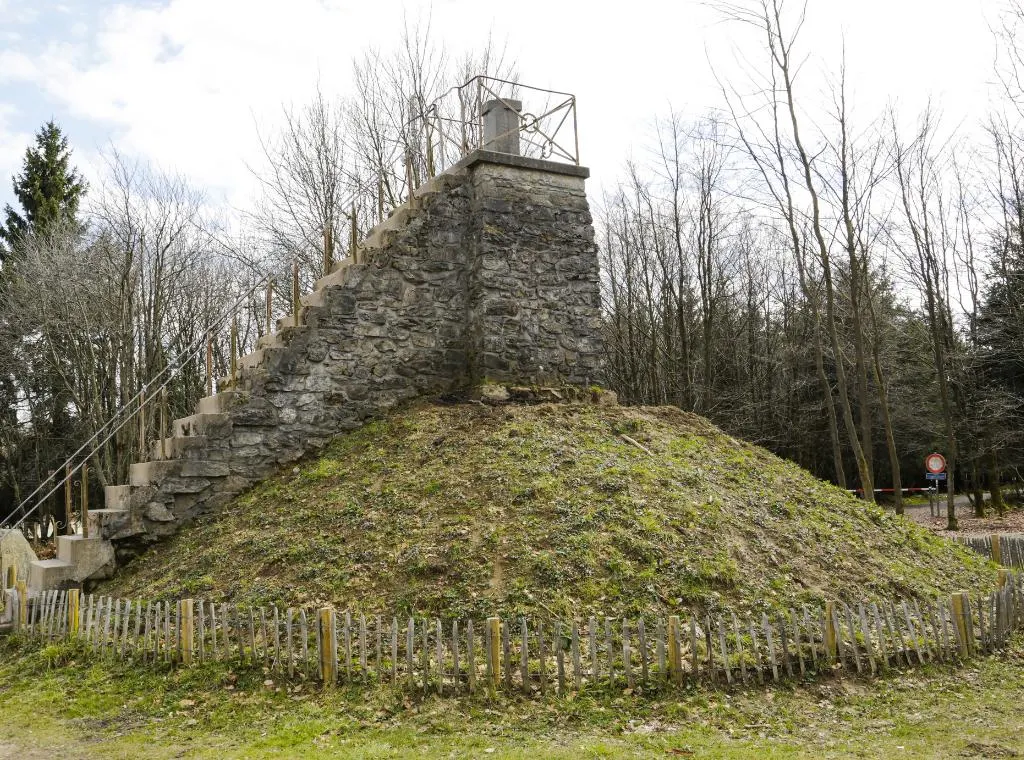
point(491, 274)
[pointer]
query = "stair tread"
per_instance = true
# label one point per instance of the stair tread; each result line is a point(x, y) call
point(52, 563)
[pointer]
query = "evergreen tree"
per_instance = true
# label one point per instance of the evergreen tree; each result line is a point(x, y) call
point(48, 189)
point(1001, 361)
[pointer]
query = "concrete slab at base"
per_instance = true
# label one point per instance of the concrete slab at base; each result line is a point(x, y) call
point(89, 557)
point(48, 573)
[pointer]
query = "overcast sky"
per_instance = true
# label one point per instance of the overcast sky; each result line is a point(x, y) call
point(183, 83)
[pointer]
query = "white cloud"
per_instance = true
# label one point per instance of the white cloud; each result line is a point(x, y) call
point(182, 83)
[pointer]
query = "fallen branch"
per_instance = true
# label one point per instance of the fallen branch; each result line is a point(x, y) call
point(636, 443)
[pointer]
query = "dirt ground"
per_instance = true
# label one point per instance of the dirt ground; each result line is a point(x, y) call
point(1011, 522)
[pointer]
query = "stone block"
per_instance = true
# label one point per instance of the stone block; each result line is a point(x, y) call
point(46, 574)
point(205, 469)
point(91, 557)
point(15, 552)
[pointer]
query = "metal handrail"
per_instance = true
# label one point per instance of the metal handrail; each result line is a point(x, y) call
point(436, 135)
point(141, 400)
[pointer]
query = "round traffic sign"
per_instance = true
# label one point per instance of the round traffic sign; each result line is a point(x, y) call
point(935, 463)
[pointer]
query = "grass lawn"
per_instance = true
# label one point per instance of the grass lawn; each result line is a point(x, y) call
point(55, 703)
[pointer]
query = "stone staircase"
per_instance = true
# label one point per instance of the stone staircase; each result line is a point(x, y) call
point(489, 272)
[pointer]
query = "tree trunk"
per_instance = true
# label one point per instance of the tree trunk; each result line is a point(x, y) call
point(994, 486)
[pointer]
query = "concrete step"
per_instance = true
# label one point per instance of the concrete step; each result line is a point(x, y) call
point(91, 557)
point(218, 403)
point(335, 277)
point(398, 219)
point(117, 497)
point(177, 447)
point(289, 321)
point(151, 473)
point(250, 361)
point(199, 424)
point(49, 573)
point(261, 357)
point(107, 522)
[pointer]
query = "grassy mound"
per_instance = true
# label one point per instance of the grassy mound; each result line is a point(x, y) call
point(562, 509)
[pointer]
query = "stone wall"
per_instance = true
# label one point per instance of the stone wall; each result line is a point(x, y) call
point(491, 275)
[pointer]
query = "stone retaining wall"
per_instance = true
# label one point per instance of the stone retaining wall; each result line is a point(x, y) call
point(493, 277)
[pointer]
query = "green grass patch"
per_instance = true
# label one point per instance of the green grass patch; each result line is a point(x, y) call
point(458, 510)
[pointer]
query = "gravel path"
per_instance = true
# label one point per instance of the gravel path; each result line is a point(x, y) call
point(1011, 522)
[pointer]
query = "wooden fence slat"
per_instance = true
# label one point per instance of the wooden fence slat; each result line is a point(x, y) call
point(126, 627)
point(725, 652)
point(883, 652)
point(694, 658)
point(769, 636)
point(559, 658)
point(410, 634)
point(394, 649)
point(853, 637)
point(278, 667)
point(659, 636)
point(147, 628)
point(425, 657)
point(304, 638)
point(841, 651)
point(203, 627)
point(675, 664)
point(740, 654)
point(926, 646)
point(577, 669)
point(470, 657)
point(439, 636)
point(493, 654)
point(524, 654)
point(811, 639)
point(362, 646)
point(379, 633)
point(88, 618)
point(756, 650)
point(627, 656)
point(913, 633)
point(865, 631)
point(609, 650)
point(595, 667)
point(506, 653)
point(783, 644)
point(709, 649)
point(347, 631)
point(111, 613)
point(542, 656)
point(456, 673)
point(797, 641)
point(641, 634)
point(253, 652)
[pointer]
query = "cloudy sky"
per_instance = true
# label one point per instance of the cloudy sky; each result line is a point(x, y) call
point(184, 83)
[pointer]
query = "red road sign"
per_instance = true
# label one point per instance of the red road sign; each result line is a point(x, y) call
point(935, 463)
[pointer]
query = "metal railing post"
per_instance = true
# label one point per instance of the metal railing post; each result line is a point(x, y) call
point(295, 292)
point(68, 500)
point(85, 499)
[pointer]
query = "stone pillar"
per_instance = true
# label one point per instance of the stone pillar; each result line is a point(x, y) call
point(534, 313)
point(501, 125)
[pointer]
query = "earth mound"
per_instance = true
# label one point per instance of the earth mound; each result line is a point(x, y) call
point(560, 509)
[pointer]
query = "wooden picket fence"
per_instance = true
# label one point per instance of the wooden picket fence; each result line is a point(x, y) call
point(1006, 549)
point(533, 656)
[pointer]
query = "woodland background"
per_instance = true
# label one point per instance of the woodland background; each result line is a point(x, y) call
point(845, 289)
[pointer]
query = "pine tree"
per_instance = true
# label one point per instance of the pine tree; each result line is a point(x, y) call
point(48, 190)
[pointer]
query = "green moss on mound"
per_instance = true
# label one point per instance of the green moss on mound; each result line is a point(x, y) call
point(466, 509)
